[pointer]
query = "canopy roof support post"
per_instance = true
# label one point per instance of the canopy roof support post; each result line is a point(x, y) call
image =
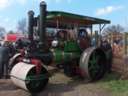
point(91, 29)
point(76, 29)
point(100, 38)
point(96, 38)
point(91, 35)
point(100, 31)
point(101, 28)
point(57, 24)
point(125, 43)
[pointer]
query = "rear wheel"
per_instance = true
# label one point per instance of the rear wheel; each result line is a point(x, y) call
point(93, 64)
point(96, 65)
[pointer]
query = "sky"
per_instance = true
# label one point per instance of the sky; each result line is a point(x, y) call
point(11, 11)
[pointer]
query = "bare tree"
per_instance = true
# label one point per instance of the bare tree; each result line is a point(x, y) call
point(22, 26)
point(115, 29)
point(11, 32)
point(2, 31)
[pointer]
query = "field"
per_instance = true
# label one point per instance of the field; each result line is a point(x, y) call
point(60, 85)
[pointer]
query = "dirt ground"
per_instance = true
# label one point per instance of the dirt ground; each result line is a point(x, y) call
point(59, 85)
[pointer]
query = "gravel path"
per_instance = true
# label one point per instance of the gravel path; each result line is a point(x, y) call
point(59, 85)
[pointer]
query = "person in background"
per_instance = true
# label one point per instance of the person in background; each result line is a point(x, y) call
point(4, 59)
point(106, 46)
point(19, 44)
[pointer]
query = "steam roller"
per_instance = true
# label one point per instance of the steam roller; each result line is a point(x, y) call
point(29, 71)
point(92, 66)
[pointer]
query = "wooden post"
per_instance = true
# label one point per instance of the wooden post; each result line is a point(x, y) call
point(111, 36)
point(125, 43)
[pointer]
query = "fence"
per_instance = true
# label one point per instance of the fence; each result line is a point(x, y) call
point(120, 53)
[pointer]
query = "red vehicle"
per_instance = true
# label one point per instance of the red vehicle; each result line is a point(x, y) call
point(13, 37)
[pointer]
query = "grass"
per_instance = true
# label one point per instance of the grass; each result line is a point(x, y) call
point(114, 85)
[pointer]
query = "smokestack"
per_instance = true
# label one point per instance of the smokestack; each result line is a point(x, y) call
point(30, 25)
point(42, 23)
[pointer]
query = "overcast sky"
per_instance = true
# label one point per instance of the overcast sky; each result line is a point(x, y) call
point(115, 10)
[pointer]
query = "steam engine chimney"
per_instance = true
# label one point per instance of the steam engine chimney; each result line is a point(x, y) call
point(42, 24)
point(30, 25)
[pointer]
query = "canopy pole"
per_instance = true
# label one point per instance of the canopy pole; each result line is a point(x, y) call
point(100, 38)
point(100, 30)
point(91, 29)
point(101, 27)
point(57, 23)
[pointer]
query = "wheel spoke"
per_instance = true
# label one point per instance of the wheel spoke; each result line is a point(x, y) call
point(94, 66)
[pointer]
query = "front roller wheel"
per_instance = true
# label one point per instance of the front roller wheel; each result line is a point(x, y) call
point(26, 77)
point(37, 83)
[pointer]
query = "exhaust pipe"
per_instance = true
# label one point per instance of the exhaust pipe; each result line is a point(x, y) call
point(42, 24)
point(30, 25)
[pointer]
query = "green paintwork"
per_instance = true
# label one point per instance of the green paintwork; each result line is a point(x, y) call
point(71, 46)
point(57, 55)
point(61, 56)
point(70, 51)
point(93, 63)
